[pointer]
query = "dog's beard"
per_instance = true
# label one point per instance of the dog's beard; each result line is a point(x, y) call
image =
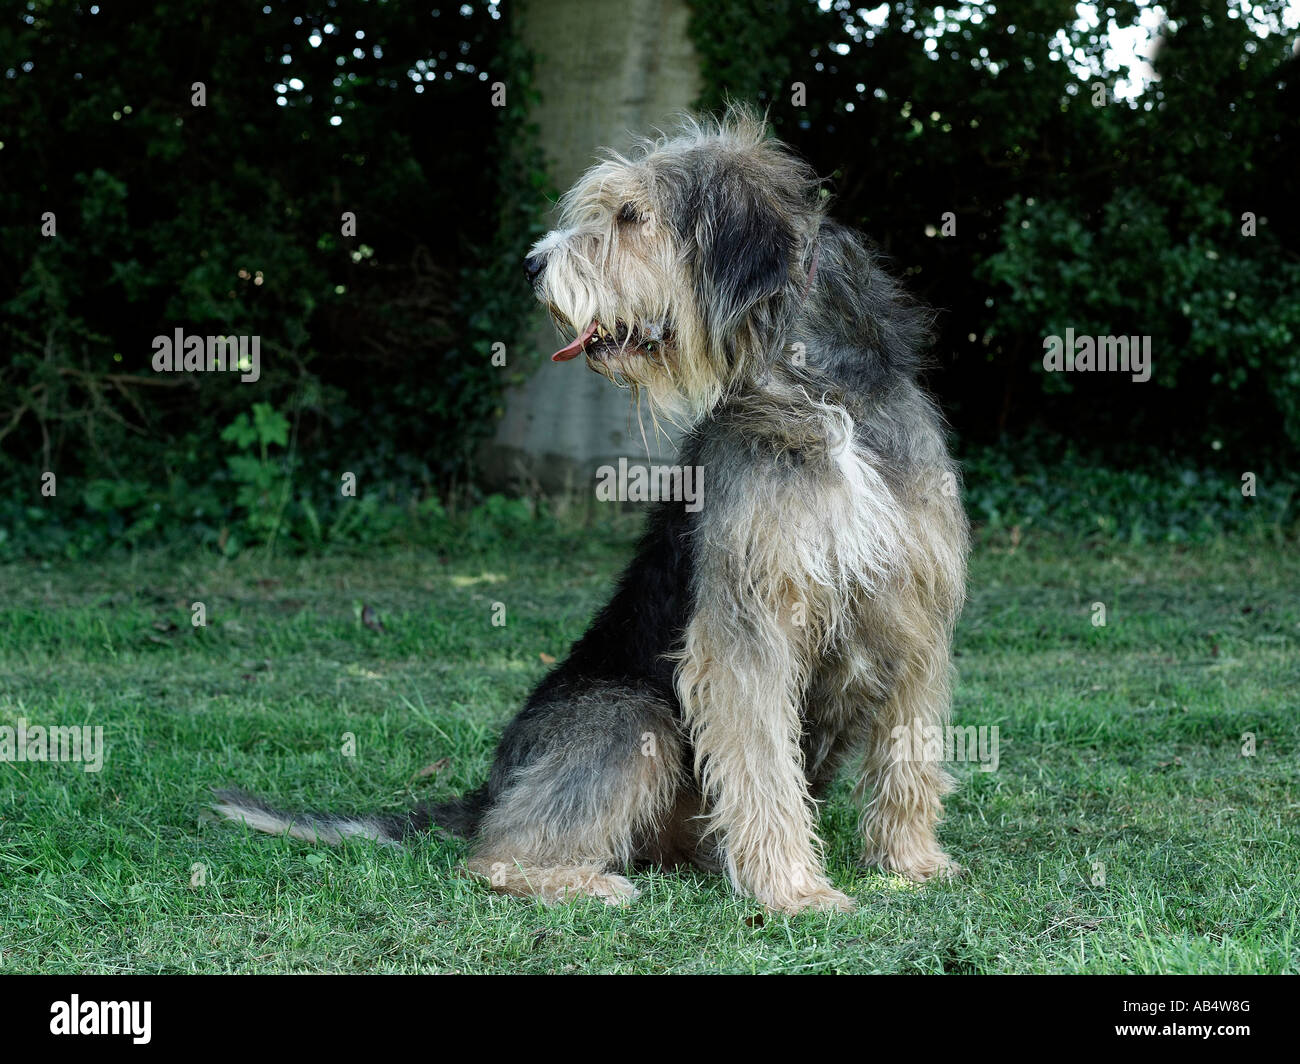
point(627, 360)
point(635, 322)
point(638, 357)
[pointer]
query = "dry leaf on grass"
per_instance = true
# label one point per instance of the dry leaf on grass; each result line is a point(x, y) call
point(432, 770)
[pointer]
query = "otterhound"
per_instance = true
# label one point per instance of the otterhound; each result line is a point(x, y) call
point(794, 621)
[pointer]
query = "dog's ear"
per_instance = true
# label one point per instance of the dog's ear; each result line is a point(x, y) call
point(743, 248)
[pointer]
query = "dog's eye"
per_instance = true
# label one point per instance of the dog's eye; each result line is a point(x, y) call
point(629, 214)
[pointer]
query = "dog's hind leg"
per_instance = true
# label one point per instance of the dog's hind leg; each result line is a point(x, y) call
point(581, 784)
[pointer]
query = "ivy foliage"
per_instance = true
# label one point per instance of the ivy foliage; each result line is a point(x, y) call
point(1020, 185)
point(338, 180)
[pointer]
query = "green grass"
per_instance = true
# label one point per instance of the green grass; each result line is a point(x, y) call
point(1120, 747)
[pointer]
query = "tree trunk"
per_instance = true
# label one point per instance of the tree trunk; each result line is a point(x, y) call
point(604, 71)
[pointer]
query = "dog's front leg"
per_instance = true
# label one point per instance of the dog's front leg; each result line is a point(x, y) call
point(740, 680)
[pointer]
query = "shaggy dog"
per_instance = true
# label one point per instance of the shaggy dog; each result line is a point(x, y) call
point(799, 620)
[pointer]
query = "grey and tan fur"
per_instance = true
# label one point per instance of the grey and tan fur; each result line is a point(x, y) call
point(756, 648)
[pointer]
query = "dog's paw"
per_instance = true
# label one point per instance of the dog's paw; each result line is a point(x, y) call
point(613, 890)
point(919, 868)
point(554, 885)
point(949, 869)
point(606, 887)
point(822, 898)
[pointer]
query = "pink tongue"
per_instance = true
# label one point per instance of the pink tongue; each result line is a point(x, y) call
point(574, 349)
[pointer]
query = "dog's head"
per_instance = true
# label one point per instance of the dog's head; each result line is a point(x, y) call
point(676, 269)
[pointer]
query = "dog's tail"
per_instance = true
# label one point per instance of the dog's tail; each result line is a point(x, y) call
point(460, 816)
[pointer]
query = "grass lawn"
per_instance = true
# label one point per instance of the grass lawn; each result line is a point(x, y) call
point(1123, 830)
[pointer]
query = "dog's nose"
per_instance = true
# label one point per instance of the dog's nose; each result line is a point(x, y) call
point(533, 266)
